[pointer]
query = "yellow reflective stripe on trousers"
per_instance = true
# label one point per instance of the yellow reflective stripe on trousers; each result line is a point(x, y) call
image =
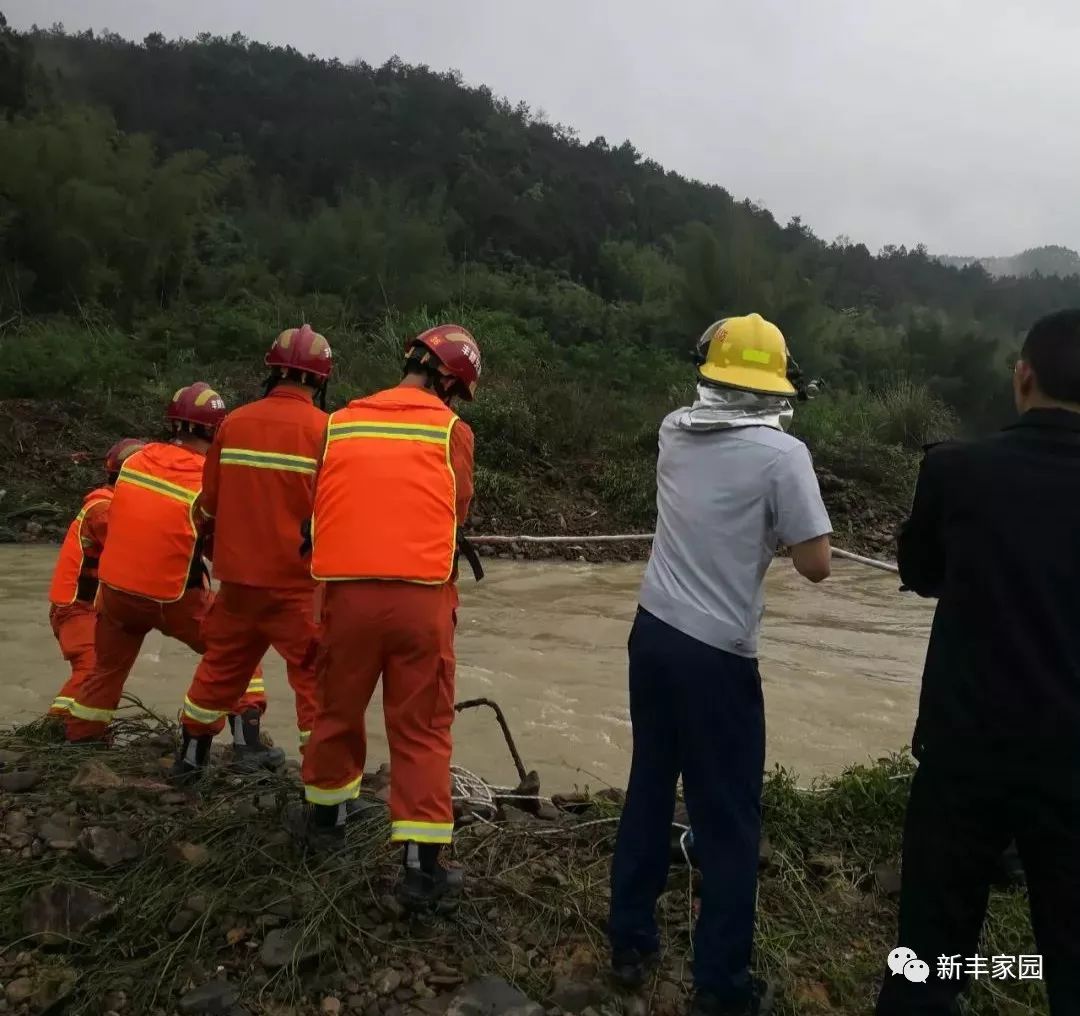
point(422, 832)
point(61, 702)
point(78, 710)
point(392, 431)
point(321, 795)
point(268, 460)
point(158, 486)
point(305, 736)
point(200, 715)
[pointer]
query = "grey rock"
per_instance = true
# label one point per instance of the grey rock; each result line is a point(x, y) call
point(825, 864)
point(576, 996)
point(492, 996)
point(547, 812)
point(193, 855)
point(391, 906)
point(54, 984)
point(513, 816)
point(765, 852)
point(62, 911)
point(287, 946)
point(433, 1006)
point(575, 804)
point(59, 828)
point(444, 981)
point(19, 781)
point(386, 982)
point(107, 848)
point(16, 822)
point(182, 922)
point(214, 997)
point(94, 775)
point(19, 991)
point(379, 780)
point(669, 992)
point(117, 1001)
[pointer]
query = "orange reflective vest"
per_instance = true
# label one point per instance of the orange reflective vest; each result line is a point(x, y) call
point(385, 495)
point(152, 536)
point(74, 571)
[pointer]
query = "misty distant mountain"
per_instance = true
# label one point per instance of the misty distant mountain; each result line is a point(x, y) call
point(1050, 260)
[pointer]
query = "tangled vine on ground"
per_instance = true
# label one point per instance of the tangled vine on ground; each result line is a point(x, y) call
point(210, 887)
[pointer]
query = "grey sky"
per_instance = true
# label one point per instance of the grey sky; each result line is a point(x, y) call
point(947, 122)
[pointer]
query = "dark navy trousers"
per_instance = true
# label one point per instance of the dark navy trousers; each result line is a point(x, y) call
point(697, 712)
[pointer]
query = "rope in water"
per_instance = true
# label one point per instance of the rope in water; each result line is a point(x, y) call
point(846, 555)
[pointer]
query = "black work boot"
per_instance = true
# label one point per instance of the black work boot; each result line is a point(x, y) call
point(428, 881)
point(631, 968)
point(324, 828)
point(191, 759)
point(1009, 872)
point(760, 1003)
point(249, 753)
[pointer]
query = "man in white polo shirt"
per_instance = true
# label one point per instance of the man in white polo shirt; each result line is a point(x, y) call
point(732, 486)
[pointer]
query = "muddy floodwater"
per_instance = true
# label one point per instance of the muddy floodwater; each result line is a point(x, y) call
point(840, 664)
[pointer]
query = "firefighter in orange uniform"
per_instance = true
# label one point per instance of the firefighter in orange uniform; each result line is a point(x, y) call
point(393, 487)
point(75, 578)
point(258, 486)
point(151, 573)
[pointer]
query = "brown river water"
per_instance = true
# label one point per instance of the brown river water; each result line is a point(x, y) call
point(840, 664)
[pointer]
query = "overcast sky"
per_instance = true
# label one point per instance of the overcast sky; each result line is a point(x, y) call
point(947, 122)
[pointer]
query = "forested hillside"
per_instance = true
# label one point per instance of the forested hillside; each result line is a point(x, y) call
point(167, 206)
point(1048, 260)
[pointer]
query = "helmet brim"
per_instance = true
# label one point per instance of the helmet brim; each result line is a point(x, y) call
point(746, 379)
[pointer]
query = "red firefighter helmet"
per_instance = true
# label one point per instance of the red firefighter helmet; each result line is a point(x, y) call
point(455, 352)
point(198, 403)
point(301, 349)
point(116, 455)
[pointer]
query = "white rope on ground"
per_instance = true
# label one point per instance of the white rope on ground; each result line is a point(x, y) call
point(846, 555)
point(469, 788)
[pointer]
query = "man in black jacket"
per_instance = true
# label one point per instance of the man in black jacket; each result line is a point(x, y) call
point(994, 533)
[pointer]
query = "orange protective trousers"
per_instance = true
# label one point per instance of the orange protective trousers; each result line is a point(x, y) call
point(123, 621)
point(405, 633)
point(243, 623)
point(73, 625)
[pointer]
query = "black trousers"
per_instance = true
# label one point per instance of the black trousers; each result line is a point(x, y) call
point(958, 824)
point(696, 711)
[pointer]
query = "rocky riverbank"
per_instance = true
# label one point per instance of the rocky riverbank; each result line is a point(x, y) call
point(50, 457)
point(122, 895)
